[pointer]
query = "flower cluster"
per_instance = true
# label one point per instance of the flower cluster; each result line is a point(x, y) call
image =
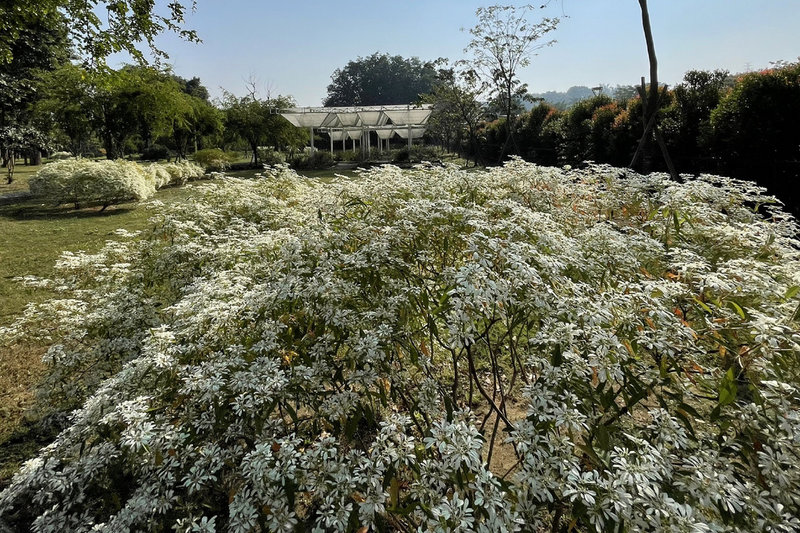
point(521, 348)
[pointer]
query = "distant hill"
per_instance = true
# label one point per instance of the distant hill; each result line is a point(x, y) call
point(565, 99)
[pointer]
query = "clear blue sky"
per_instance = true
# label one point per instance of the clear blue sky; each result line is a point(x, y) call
point(292, 48)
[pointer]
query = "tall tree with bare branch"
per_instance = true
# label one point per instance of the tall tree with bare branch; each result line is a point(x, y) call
point(503, 42)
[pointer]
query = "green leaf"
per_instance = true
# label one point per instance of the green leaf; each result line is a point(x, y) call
point(681, 414)
point(656, 293)
point(663, 369)
point(602, 437)
point(727, 388)
point(351, 425)
point(291, 411)
point(591, 454)
point(689, 409)
point(738, 309)
point(705, 308)
point(394, 493)
point(791, 292)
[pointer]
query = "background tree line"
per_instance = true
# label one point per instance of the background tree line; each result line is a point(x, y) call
point(742, 126)
point(52, 100)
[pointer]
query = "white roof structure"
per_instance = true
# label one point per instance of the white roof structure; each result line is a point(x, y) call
point(306, 120)
point(408, 121)
point(361, 116)
point(341, 120)
point(412, 133)
point(373, 118)
point(385, 133)
point(402, 117)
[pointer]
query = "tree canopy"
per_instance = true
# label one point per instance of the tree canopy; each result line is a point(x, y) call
point(381, 79)
point(253, 120)
point(96, 33)
point(38, 47)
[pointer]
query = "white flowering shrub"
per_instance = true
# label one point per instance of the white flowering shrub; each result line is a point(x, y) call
point(163, 175)
point(280, 355)
point(183, 171)
point(157, 175)
point(78, 181)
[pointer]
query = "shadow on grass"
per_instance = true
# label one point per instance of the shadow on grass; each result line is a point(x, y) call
point(33, 434)
point(33, 210)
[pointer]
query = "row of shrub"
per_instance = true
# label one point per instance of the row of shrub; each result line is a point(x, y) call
point(82, 181)
point(516, 349)
point(740, 126)
point(216, 160)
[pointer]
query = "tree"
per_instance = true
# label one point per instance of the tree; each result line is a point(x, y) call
point(623, 93)
point(687, 125)
point(96, 34)
point(15, 139)
point(650, 100)
point(66, 104)
point(156, 100)
point(757, 119)
point(456, 110)
point(193, 87)
point(381, 79)
point(503, 42)
point(38, 47)
point(202, 120)
point(582, 138)
point(254, 121)
point(540, 134)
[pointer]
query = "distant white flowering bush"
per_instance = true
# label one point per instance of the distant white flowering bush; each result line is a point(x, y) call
point(281, 355)
point(77, 181)
point(81, 181)
point(183, 171)
point(162, 175)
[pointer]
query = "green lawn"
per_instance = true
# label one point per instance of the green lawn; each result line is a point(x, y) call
point(32, 237)
point(21, 176)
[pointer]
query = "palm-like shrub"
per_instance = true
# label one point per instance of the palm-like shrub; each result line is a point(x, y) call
point(519, 349)
point(80, 181)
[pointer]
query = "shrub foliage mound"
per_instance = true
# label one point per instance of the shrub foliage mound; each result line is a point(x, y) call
point(283, 355)
point(80, 181)
point(83, 181)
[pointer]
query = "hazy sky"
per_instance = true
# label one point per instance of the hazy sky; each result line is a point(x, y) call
point(292, 48)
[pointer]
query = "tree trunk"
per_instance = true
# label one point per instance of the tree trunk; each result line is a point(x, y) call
point(109, 145)
point(10, 167)
point(254, 146)
point(650, 101)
